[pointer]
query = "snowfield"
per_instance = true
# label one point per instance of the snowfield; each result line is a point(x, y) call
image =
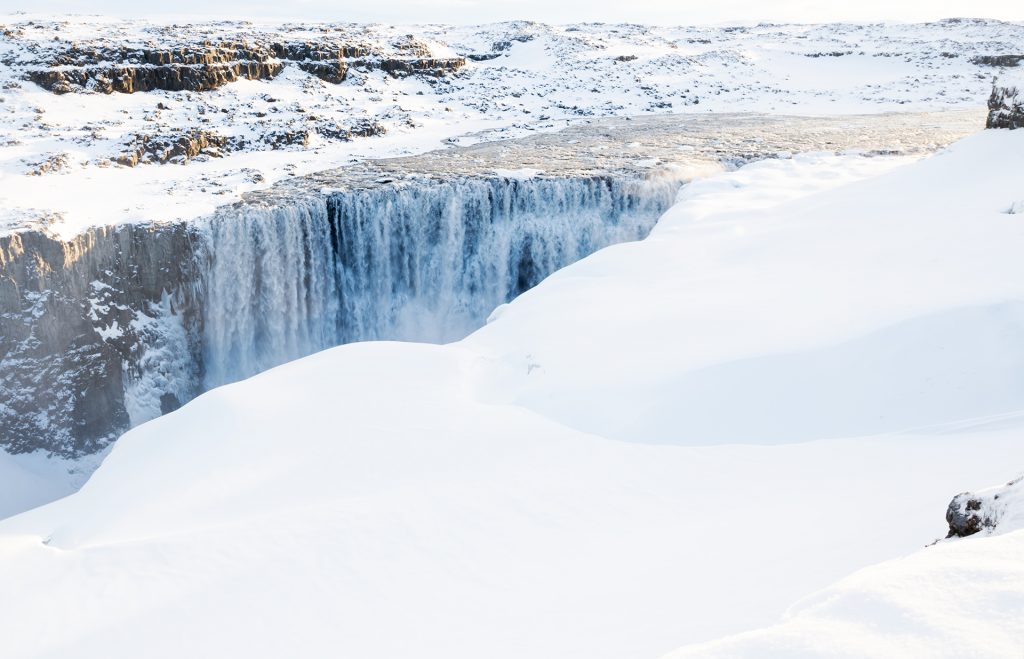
point(59, 153)
point(667, 443)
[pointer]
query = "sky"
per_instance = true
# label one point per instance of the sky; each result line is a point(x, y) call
point(679, 12)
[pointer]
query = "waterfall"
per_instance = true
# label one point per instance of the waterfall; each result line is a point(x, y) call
point(270, 291)
point(420, 259)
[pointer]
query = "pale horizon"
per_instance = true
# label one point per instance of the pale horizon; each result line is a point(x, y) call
point(654, 12)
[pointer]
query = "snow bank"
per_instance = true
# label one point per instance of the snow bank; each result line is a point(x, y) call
point(884, 305)
point(477, 499)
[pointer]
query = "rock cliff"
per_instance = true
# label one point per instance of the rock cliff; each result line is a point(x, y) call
point(204, 67)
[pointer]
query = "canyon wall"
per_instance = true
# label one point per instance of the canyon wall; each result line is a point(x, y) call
point(122, 324)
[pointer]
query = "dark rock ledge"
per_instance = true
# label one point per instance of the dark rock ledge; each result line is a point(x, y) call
point(203, 67)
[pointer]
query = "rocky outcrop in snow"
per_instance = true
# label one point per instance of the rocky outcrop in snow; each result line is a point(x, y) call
point(999, 61)
point(1005, 108)
point(998, 509)
point(160, 148)
point(129, 71)
point(204, 67)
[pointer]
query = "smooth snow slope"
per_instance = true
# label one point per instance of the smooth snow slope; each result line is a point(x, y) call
point(475, 499)
point(961, 598)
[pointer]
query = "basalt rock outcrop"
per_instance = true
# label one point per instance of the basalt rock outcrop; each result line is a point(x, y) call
point(180, 149)
point(128, 71)
point(1005, 108)
point(177, 149)
point(79, 320)
point(203, 67)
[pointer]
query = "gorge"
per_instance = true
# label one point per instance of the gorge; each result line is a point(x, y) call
point(119, 324)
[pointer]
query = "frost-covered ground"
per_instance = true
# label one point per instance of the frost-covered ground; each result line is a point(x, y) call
point(518, 78)
point(666, 443)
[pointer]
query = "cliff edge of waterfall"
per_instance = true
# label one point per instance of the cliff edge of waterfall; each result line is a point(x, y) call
point(738, 434)
point(122, 323)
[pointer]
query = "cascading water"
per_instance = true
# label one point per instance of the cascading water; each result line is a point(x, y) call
point(422, 260)
point(270, 290)
point(118, 324)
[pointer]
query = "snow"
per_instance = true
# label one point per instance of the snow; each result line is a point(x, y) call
point(921, 336)
point(547, 77)
point(956, 600)
point(520, 174)
point(666, 443)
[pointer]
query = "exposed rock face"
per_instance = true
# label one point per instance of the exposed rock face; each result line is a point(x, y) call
point(128, 71)
point(161, 149)
point(361, 129)
point(205, 67)
point(75, 321)
point(333, 71)
point(181, 149)
point(1005, 108)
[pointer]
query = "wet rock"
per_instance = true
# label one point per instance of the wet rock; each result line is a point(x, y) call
point(79, 318)
point(169, 403)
